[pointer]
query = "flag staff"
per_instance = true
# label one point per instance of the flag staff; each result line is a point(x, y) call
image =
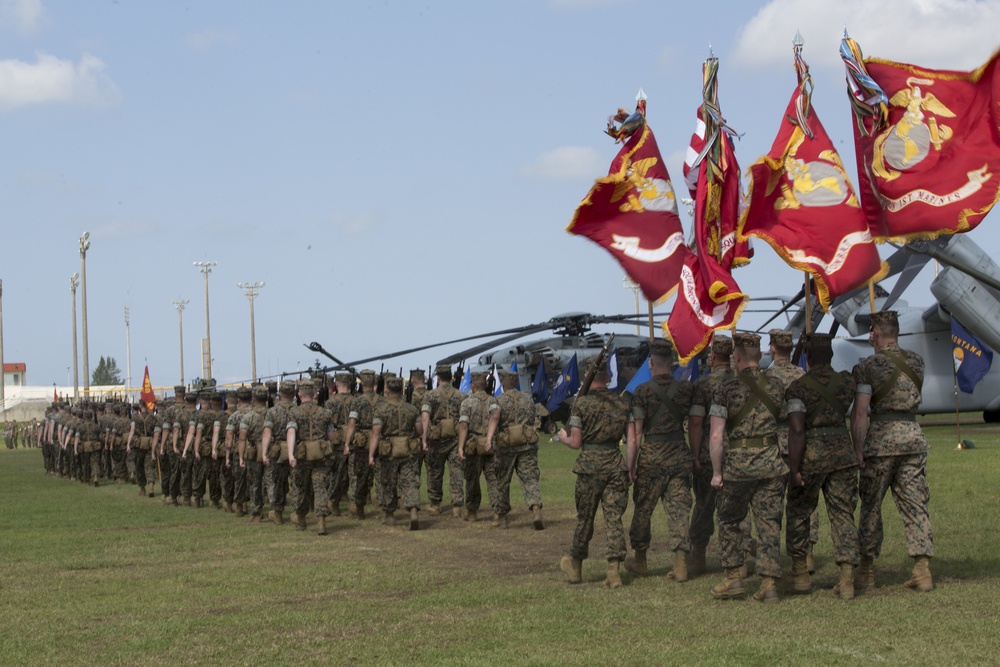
point(807, 291)
point(649, 305)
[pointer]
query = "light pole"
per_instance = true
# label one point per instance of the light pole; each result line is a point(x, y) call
point(128, 357)
point(179, 305)
point(76, 369)
point(84, 247)
point(251, 290)
point(206, 352)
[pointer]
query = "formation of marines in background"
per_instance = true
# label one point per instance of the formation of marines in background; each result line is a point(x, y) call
point(741, 446)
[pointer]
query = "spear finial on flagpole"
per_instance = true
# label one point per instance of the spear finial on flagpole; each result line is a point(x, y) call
point(798, 42)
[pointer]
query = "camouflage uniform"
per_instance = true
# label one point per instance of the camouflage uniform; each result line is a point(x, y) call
point(250, 428)
point(785, 372)
point(339, 406)
point(205, 471)
point(517, 409)
point(311, 423)
point(143, 427)
point(703, 516)
point(276, 471)
point(361, 476)
point(232, 474)
point(753, 471)
point(89, 436)
point(400, 475)
point(895, 452)
point(183, 419)
point(440, 404)
point(828, 464)
point(663, 468)
point(475, 410)
point(601, 475)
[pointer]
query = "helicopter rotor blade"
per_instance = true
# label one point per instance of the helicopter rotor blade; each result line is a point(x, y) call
point(794, 300)
point(482, 347)
point(913, 265)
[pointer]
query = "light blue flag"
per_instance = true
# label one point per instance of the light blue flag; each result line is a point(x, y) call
point(466, 385)
point(641, 376)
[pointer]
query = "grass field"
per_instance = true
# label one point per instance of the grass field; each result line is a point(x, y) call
point(104, 577)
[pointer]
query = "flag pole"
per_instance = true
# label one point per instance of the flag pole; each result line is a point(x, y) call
point(958, 419)
point(649, 306)
point(871, 296)
point(808, 296)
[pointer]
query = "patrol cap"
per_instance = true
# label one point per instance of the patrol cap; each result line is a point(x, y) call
point(245, 393)
point(813, 342)
point(394, 384)
point(746, 340)
point(507, 376)
point(590, 362)
point(780, 337)
point(343, 378)
point(286, 387)
point(722, 344)
point(179, 390)
point(442, 368)
point(307, 384)
point(479, 378)
point(190, 398)
point(888, 317)
point(259, 392)
point(661, 347)
point(272, 386)
point(367, 375)
point(206, 394)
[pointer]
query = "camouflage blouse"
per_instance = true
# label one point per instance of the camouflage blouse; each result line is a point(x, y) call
point(396, 417)
point(602, 417)
point(663, 436)
point(752, 462)
point(476, 410)
point(889, 437)
point(827, 449)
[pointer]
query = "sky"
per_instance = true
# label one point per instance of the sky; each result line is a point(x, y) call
point(396, 173)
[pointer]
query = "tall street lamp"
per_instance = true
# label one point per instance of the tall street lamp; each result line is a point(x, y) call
point(179, 305)
point(206, 352)
point(73, 282)
point(128, 357)
point(84, 247)
point(251, 290)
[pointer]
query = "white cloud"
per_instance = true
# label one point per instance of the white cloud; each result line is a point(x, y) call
point(354, 223)
point(939, 34)
point(52, 80)
point(568, 163)
point(206, 39)
point(25, 16)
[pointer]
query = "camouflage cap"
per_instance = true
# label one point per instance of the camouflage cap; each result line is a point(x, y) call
point(442, 368)
point(367, 376)
point(890, 317)
point(661, 347)
point(780, 337)
point(343, 378)
point(272, 386)
point(478, 378)
point(508, 376)
point(394, 384)
point(179, 389)
point(590, 362)
point(260, 392)
point(722, 344)
point(245, 393)
point(817, 341)
point(206, 394)
point(190, 397)
point(286, 387)
point(746, 340)
point(307, 383)
point(418, 373)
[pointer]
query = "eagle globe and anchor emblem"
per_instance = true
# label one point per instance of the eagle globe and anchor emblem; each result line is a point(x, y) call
point(644, 193)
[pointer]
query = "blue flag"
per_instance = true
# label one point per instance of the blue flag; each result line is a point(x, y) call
point(466, 385)
point(540, 387)
point(641, 376)
point(972, 358)
point(513, 369)
point(568, 385)
point(613, 370)
point(688, 371)
point(497, 385)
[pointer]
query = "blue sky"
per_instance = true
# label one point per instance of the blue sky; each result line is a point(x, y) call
point(397, 173)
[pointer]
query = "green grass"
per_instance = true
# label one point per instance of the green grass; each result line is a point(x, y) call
point(104, 577)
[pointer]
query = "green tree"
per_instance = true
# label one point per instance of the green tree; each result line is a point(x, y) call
point(106, 373)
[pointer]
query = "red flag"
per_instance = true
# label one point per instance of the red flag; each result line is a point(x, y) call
point(928, 145)
point(146, 395)
point(632, 213)
point(55, 394)
point(709, 298)
point(802, 203)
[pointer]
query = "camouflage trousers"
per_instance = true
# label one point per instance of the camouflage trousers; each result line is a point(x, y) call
point(199, 475)
point(609, 491)
point(906, 476)
point(216, 466)
point(166, 471)
point(141, 460)
point(276, 483)
point(442, 453)
point(672, 485)
point(47, 459)
point(235, 482)
point(360, 475)
point(523, 461)
point(309, 478)
point(181, 475)
point(840, 492)
point(252, 477)
point(130, 464)
point(90, 466)
point(400, 480)
point(703, 516)
point(765, 499)
point(337, 478)
point(474, 467)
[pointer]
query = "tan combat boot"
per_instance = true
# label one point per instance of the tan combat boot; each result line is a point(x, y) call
point(456, 512)
point(614, 579)
point(767, 591)
point(696, 561)
point(801, 581)
point(197, 502)
point(680, 571)
point(241, 509)
point(149, 489)
point(845, 587)
point(810, 561)
point(142, 491)
point(571, 566)
point(360, 512)
point(434, 510)
point(414, 521)
point(864, 576)
point(186, 501)
point(536, 517)
point(730, 587)
point(499, 521)
point(921, 580)
point(352, 510)
point(167, 500)
point(386, 519)
point(335, 508)
point(256, 518)
point(299, 520)
point(636, 563)
point(321, 525)
point(276, 517)
point(471, 516)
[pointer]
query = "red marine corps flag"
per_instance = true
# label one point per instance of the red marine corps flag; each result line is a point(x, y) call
point(632, 212)
point(146, 395)
point(928, 145)
point(801, 202)
point(709, 298)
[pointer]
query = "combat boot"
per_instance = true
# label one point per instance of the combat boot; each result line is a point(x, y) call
point(142, 491)
point(434, 510)
point(614, 579)
point(810, 561)
point(680, 571)
point(864, 576)
point(276, 517)
point(471, 516)
point(456, 512)
point(801, 581)
point(216, 505)
point(536, 517)
point(240, 509)
point(499, 521)
point(256, 518)
point(845, 587)
point(414, 522)
point(352, 510)
point(636, 563)
point(767, 592)
point(360, 512)
point(921, 580)
point(149, 489)
point(387, 519)
point(730, 587)
point(187, 501)
point(299, 520)
point(175, 502)
point(696, 561)
point(571, 566)
point(335, 508)
point(197, 502)
point(321, 525)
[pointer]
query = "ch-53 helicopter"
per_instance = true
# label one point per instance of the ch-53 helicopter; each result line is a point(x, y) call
point(968, 287)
